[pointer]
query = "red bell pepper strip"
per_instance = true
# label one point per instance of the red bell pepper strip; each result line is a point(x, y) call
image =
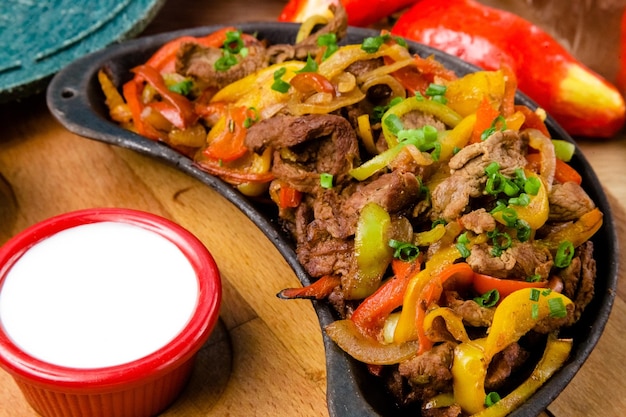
point(485, 283)
point(312, 82)
point(360, 12)
point(532, 120)
point(455, 275)
point(288, 197)
point(485, 116)
point(370, 315)
point(187, 115)
point(318, 290)
point(132, 94)
point(563, 173)
point(229, 142)
point(583, 102)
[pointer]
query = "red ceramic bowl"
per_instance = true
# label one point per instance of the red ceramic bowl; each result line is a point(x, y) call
point(70, 373)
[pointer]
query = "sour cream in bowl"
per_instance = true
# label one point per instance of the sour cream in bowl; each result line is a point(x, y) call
point(102, 312)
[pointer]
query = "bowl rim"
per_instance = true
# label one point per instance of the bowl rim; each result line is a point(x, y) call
point(176, 352)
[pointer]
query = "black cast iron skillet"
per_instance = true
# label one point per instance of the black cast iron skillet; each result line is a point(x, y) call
point(75, 99)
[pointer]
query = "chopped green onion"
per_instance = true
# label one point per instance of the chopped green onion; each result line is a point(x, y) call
point(491, 398)
point(225, 62)
point(509, 216)
point(461, 245)
point(326, 180)
point(440, 99)
point(437, 222)
point(492, 169)
point(547, 291)
point(329, 40)
point(310, 66)
point(492, 129)
point(523, 230)
point(522, 200)
point(279, 84)
point(488, 299)
point(233, 42)
point(534, 278)
point(534, 311)
point(532, 185)
point(403, 250)
point(436, 90)
point(500, 240)
point(557, 308)
point(510, 188)
point(393, 123)
point(495, 184)
point(251, 120)
point(183, 87)
point(564, 254)
point(534, 294)
point(372, 44)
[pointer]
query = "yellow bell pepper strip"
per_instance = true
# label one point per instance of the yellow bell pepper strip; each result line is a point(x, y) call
point(466, 94)
point(370, 315)
point(318, 290)
point(417, 103)
point(255, 90)
point(424, 289)
point(576, 232)
point(367, 349)
point(514, 317)
point(554, 356)
point(457, 137)
point(453, 322)
point(536, 212)
point(371, 251)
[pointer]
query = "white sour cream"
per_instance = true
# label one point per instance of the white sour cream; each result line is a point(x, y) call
point(98, 295)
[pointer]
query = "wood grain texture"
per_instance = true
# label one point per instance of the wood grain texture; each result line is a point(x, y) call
point(266, 358)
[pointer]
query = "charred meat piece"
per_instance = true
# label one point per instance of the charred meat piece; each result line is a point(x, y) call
point(520, 261)
point(307, 146)
point(451, 198)
point(569, 201)
point(198, 62)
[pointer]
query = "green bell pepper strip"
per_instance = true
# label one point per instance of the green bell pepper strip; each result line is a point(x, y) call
point(371, 251)
point(514, 317)
point(435, 108)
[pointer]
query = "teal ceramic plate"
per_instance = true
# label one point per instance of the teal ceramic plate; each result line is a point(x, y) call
point(39, 37)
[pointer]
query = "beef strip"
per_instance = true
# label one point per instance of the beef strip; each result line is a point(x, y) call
point(503, 364)
point(569, 201)
point(520, 261)
point(316, 144)
point(198, 61)
point(429, 373)
point(478, 221)
point(472, 314)
point(579, 278)
point(451, 197)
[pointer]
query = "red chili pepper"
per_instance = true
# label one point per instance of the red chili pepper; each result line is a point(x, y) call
point(583, 102)
point(318, 290)
point(621, 71)
point(360, 12)
point(180, 102)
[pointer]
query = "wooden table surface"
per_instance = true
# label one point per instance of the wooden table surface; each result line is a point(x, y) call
point(266, 358)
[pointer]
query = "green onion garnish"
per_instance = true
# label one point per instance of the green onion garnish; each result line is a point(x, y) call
point(279, 84)
point(326, 180)
point(534, 294)
point(403, 250)
point(310, 66)
point(564, 254)
point(491, 398)
point(488, 299)
point(557, 308)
